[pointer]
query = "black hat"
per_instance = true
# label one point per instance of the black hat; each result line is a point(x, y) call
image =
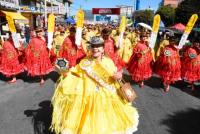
point(38, 29)
point(96, 41)
point(172, 38)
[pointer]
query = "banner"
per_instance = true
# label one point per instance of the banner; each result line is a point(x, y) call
point(111, 11)
point(12, 29)
point(11, 24)
point(80, 18)
point(156, 25)
point(122, 26)
point(79, 22)
point(191, 23)
point(188, 29)
point(51, 25)
point(122, 29)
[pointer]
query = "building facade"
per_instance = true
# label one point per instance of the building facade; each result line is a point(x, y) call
point(126, 10)
point(36, 10)
point(173, 3)
point(9, 5)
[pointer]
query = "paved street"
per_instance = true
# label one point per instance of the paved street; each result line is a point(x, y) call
point(25, 107)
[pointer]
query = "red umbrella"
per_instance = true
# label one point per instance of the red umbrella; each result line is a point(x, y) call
point(179, 26)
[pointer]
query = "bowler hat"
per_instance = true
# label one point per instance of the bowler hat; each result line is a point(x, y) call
point(97, 41)
point(38, 29)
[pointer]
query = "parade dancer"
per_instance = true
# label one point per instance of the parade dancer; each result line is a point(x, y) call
point(10, 65)
point(164, 42)
point(37, 57)
point(58, 41)
point(168, 65)
point(126, 50)
point(190, 67)
point(70, 51)
point(110, 48)
point(57, 44)
point(140, 63)
point(86, 102)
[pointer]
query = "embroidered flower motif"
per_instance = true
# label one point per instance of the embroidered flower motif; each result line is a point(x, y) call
point(192, 56)
point(167, 53)
point(36, 54)
point(10, 55)
point(72, 52)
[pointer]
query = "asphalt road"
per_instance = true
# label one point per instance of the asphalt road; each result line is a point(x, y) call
point(25, 107)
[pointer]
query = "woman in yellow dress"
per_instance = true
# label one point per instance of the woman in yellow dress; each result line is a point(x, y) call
point(86, 100)
point(126, 50)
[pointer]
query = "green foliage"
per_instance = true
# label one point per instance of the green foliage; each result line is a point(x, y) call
point(145, 16)
point(185, 10)
point(167, 14)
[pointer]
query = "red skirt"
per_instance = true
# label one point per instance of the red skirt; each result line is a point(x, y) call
point(190, 69)
point(168, 68)
point(140, 67)
point(10, 66)
point(38, 64)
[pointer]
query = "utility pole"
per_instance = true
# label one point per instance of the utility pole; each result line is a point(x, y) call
point(134, 5)
point(51, 6)
point(45, 12)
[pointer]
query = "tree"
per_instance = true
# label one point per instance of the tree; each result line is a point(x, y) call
point(145, 16)
point(185, 10)
point(167, 14)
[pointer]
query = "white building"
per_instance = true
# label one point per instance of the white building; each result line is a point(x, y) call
point(126, 10)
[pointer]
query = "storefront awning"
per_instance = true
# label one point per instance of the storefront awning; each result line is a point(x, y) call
point(16, 16)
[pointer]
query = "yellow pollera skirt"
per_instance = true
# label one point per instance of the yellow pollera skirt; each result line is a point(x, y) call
point(99, 112)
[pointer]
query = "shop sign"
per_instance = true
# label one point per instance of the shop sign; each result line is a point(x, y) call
point(28, 8)
point(9, 4)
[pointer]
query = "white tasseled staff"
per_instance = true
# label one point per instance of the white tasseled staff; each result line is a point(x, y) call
point(79, 29)
point(13, 31)
point(188, 29)
point(154, 33)
point(51, 25)
point(122, 28)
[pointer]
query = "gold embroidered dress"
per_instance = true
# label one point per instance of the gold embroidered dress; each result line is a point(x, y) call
point(86, 102)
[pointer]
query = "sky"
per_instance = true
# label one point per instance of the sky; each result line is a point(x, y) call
point(89, 4)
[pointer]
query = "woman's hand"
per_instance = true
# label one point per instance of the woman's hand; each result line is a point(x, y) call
point(118, 75)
